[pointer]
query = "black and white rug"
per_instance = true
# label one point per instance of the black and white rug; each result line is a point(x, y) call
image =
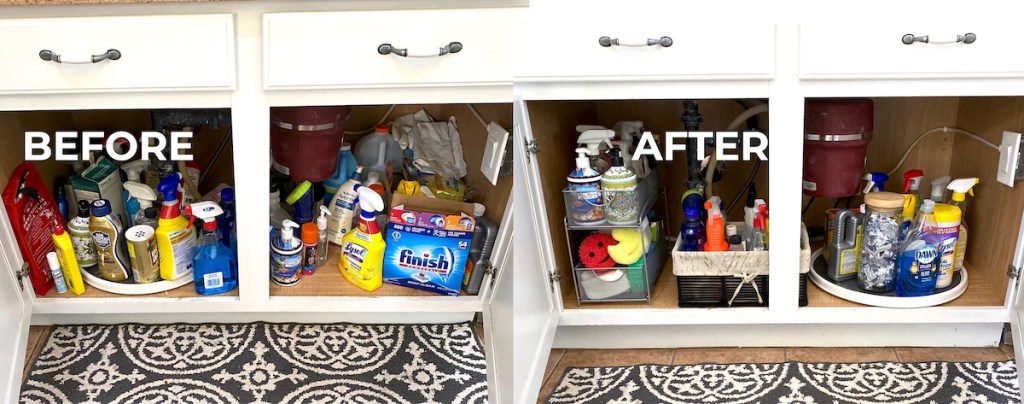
point(259, 363)
point(794, 383)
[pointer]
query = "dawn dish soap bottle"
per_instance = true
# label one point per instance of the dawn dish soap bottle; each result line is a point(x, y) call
point(919, 257)
point(215, 266)
point(175, 239)
point(363, 248)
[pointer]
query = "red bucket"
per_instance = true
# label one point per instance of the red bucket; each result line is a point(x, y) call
point(836, 137)
point(304, 141)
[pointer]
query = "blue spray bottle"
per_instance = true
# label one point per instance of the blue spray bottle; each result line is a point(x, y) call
point(226, 224)
point(215, 266)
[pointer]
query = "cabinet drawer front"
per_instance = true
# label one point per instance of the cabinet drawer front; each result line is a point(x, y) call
point(859, 51)
point(161, 52)
point(341, 49)
point(568, 44)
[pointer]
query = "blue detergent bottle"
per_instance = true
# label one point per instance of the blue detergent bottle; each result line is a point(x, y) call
point(214, 266)
point(346, 167)
point(692, 231)
point(919, 259)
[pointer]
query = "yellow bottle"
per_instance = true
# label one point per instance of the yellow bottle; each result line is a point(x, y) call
point(68, 262)
point(363, 249)
point(175, 239)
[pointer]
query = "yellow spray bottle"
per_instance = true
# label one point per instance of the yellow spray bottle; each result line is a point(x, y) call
point(175, 239)
point(363, 249)
point(961, 187)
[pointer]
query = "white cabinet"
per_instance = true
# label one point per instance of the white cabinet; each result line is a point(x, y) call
point(150, 53)
point(847, 51)
point(389, 48)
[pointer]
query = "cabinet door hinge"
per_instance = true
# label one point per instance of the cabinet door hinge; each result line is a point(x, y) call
point(1013, 272)
point(554, 277)
point(21, 275)
point(490, 270)
point(531, 148)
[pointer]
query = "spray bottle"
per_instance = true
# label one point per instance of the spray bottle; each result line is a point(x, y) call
point(762, 213)
point(939, 189)
point(175, 239)
point(593, 138)
point(715, 228)
point(343, 208)
point(216, 268)
point(301, 199)
point(286, 255)
point(133, 171)
point(142, 197)
point(363, 248)
point(875, 181)
point(961, 187)
point(911, 203)
point(322, 243)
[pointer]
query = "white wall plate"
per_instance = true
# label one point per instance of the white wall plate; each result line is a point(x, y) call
point(494, 152)
point(1009, 158)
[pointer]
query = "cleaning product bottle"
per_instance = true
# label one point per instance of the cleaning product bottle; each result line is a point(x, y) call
point(762, 213)
point(107, 235)
point(72, 273)
point(55, 271)
point(60, 197)
point(346, 166)
point(750, 209)
point(593, 137)
point(363, 248)
point(961, 187)
point(919, 260)
point(226, 224)
point(81, 237)
point(133, 172)
point(277, 213)
point(694, 198)
point(911, 186)
point(844, 249)
point(379, 152)
point(150, 217)
point(175, 239)
point(322, 243)
point(484, 235)
point(343, 208)
point(945, 230)
point(585, 192)
point(286, 256)
point(215, 266)
point(619, 185)
point(692, 231)
point(309, 239)
point(939, 189)
point(757, 235)
point(142, 197)
point(875, 182)
point(715, 229)
point(301, 200)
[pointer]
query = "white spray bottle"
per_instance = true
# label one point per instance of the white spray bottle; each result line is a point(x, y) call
point(144, 197)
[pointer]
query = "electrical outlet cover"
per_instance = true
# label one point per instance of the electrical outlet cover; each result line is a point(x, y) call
point(494, 152)
point(1009, 158)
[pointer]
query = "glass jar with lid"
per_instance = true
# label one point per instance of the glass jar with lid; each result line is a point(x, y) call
point(880, 241)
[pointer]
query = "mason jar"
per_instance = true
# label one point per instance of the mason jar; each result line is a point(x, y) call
point(880, 241)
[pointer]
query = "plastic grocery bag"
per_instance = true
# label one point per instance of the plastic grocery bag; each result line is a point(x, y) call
point(34, 216)
point(437, 148)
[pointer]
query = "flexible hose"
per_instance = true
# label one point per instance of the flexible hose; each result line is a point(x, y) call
point(380, 121)
point(944, 129)
point(736, 122)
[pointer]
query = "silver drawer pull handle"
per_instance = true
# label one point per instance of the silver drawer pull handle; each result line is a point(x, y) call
point(388, 49)
point(967, 39)
point(609, 41)
point(48, 55)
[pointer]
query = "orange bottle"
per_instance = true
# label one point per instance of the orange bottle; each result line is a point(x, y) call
point(715, 229)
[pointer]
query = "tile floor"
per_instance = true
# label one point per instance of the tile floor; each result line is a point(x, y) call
point(560, 359)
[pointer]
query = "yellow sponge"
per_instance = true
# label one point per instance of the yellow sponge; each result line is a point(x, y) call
point(630, 247)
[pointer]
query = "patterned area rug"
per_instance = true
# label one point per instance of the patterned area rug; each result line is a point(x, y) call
point(259, 363)
point(794, 383)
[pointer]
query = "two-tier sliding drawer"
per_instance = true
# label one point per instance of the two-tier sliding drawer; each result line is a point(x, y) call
point(94, 54)
point(574, 41)
point(837, 51)
point(387, 48)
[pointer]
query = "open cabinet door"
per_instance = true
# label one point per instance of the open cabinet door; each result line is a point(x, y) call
point(498, 315)
point(1017, 307)
point(537, 304)
point(15, 313)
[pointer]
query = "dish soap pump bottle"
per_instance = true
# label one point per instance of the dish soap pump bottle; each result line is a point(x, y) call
point(961, 187)
point(175, 239)
point(286, 255)
point(363, 248)
point(619, 185)
point(322, 242)
point(692, 232)
point(585, 192)
point(216, 269)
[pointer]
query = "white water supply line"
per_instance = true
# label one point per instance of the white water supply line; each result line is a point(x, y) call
point(944, 129)
point(736, 122)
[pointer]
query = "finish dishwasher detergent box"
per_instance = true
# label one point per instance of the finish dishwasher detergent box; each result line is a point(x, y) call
point(428, 243)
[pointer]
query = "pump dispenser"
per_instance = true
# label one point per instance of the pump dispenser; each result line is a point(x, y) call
point(143, 197)
point(939, 189)
point(961, 187)
point(363, 248)
point(875, 181)
point(286, 255)
point(585, 194)
point(593, 138)
point(715, 228)
point(175, 238)
point(216, 268)
point(322, 243)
